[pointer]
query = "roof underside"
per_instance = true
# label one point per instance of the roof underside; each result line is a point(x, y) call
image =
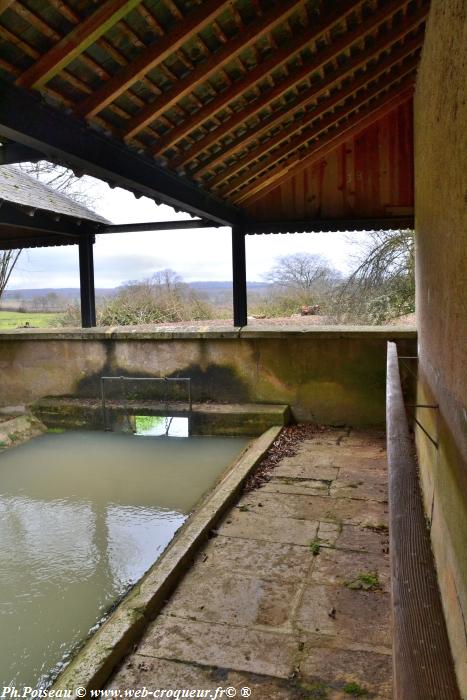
point(281, 109)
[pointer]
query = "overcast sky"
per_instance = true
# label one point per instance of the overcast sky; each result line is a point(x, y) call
point(203, 254)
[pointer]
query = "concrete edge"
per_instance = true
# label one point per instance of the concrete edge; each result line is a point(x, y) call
point(99, 656)
point(94, 334)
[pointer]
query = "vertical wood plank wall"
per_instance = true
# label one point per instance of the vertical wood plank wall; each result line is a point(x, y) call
point(369, 175)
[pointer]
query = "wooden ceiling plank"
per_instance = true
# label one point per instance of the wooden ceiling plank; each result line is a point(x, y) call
point(65, 11)
point(19, 43)
point(322, 127)
point(228, 52)
point(356, 125)
point(76, 42)
point(303, 137)
point(5, 4)
point(329, 103)
point(150, 19)
point(309, 95)
point(174, 9)
point(118, 57)
point(36, 22)
point(151, 57)
point(109, 48)
point(278, 58)
point(219, 32)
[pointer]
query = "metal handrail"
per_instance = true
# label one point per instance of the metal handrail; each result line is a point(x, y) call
point(422, 661)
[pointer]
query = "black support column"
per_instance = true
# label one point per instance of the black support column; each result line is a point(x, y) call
point(239, 276)
point(86, 277)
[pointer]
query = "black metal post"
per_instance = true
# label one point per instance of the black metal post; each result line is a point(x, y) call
point(239, 276)
point(86, 277)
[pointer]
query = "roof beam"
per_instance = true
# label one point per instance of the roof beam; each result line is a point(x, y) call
point(42, 221)
point(26, 119)
point(278, 58)
point(158, 226)
point(204, 71)
point(153, 55)
point(307, 96)
point(354, 125)
point(318, 225)
point(11, 153)
point(5, 4)
point(76, 42)
point(299, 125)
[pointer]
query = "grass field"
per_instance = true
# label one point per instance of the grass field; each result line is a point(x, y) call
point(15, 319)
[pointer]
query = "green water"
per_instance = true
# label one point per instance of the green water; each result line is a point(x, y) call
point(82, 516)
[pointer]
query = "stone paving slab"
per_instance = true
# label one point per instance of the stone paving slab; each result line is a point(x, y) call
point(372, 672)
point(142, 672)
point(344, 510)
point(352, 483)
point(230, 598)
point(364, 539)
point(303, 487)
point(299, 469)
point(289, 597)
point(338, 567)
point(225, 646)
point(251, 525)
point(359, 615)
point(272, 560)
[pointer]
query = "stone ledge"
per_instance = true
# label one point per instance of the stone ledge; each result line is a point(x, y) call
point(206, 418)
point(210, 332)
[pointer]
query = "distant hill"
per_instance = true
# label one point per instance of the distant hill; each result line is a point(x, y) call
point(59, 298)
point(73, 292)
point(68, 293)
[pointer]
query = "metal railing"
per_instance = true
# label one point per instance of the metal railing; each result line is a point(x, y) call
point(160, 380)
point(422, 660)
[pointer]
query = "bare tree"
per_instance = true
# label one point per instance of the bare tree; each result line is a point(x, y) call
point(60, 179)
point(301, 272)
point(389, 257)
point(382, 286)
point(8, 259)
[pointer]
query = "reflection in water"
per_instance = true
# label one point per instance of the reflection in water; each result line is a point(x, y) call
point(82, 516)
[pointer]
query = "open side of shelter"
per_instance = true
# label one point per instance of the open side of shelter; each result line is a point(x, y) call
point(263, 116)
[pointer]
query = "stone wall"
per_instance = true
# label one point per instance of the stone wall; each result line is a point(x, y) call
point(330, 376)
point(441, 262)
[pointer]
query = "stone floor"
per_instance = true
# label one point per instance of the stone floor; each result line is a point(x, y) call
point(290, 597)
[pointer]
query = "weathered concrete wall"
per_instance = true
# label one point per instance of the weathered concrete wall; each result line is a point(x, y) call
point(441, 234)
point(329, 376)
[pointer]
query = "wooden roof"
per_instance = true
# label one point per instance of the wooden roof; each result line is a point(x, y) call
point(33, 215)
point(279, 108)
point(17, 187)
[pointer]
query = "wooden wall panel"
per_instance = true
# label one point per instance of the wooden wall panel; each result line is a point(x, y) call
point(370, 175)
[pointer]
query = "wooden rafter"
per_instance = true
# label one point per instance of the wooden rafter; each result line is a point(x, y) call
point(354, 125)
point(76, 42)
point(278, 58)
point(5, 4)
point(150, 58)
point(228, 52)
point(307, 96)
point(299, 125)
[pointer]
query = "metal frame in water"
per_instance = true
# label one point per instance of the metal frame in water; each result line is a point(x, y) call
point(165, 402)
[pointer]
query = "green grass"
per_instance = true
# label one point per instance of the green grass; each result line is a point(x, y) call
point(367, 581)
point(16, 319)
point(355, 689)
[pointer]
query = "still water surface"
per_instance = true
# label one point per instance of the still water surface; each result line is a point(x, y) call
point(82, 516)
